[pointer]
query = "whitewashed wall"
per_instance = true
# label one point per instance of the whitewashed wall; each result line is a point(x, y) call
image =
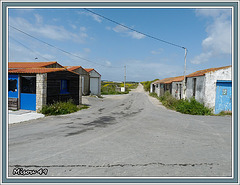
point(95, 83)
point(176, 87)
point(210, 88)
point(157, 89)
point(200, 88)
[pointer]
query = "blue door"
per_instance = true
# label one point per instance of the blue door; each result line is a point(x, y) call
point(28, 93)
point(13, 86)
point(223, 96)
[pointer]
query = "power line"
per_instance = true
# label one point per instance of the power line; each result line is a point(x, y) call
point(64, 51)
point(29, 49)
point(147, 35)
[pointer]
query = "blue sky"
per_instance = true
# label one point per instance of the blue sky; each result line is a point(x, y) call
point(206, 33)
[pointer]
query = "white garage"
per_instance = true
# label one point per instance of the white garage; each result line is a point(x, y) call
point(95, 82)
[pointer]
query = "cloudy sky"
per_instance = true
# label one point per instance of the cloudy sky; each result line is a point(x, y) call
point(79, 37)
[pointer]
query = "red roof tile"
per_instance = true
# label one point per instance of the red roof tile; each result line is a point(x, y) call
point(29, 64)
point(88, 70)
point(35, 70)
point(72, 68)
point(174, 79)
point(203, 72)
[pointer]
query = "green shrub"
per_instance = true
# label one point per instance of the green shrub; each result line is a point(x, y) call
point(154, 95)
point(193, 107)
point(186, 106)
point(59, 108)
point(168, 100)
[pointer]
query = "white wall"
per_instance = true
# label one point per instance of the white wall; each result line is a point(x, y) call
point(157, 89)
point(151, 88)
point(93, 73)
point(210, 89)
point(95, 83)
point(200, 88)
point(176, 87)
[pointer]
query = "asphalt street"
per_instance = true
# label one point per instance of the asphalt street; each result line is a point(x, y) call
point(123, 135)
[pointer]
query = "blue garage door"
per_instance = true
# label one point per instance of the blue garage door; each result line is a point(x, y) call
point(28, 93)
point(223, 96)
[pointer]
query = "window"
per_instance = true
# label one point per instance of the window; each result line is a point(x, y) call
point(12, 85)
point(28, 84)
point(64, 87)
point(194, 87)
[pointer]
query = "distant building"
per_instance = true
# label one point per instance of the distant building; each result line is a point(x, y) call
point(95, 81)
point(84, 75)
point(173, 85)
point(176, 86)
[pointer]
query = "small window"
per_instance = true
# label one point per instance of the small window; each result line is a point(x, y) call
point(28, 84)
point(64, 87)
point(224, 92)
point(12, 85)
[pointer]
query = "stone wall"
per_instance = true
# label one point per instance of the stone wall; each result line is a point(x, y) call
point(41, 91)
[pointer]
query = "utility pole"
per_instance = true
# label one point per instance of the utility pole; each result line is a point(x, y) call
point(124, 77)
point(184, 80)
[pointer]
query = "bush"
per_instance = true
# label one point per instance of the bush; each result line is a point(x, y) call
point(168, 100)
point(186, 106)
point(193, 107)
point(154, 95)
point(59, 108)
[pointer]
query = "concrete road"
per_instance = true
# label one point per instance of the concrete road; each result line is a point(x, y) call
point(123, 135)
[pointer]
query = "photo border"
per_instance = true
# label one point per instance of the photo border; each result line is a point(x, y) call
point(235, 5)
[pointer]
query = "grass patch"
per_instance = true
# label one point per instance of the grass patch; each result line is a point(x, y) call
point(113, 88)
point(224, 113)
point(154, 95)
point(169, 101)
point(59, 108)
point(186, 106)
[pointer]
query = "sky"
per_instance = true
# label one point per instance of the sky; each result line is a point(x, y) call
point(77, 37)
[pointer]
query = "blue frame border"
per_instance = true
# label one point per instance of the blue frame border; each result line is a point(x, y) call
point(6, 5)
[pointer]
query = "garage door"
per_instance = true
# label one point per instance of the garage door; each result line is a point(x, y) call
point(28, 93)
point(223, 96)
point(94, 86)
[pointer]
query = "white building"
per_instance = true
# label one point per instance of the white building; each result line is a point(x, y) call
point(95, 82)
point(176, 87)
point(212, 87)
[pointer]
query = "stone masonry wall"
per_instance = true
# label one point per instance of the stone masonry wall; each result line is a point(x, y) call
point(41, 91)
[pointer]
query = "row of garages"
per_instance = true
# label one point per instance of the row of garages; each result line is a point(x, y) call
point(34, 84)
point(212, 87)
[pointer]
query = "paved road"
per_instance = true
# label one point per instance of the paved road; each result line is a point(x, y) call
point(123, 135)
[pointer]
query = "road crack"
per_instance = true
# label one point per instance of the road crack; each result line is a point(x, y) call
point(116, 165)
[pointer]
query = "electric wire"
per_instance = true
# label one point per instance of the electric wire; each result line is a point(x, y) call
point(64, 51)
point(29, 49)
point(147, 35)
